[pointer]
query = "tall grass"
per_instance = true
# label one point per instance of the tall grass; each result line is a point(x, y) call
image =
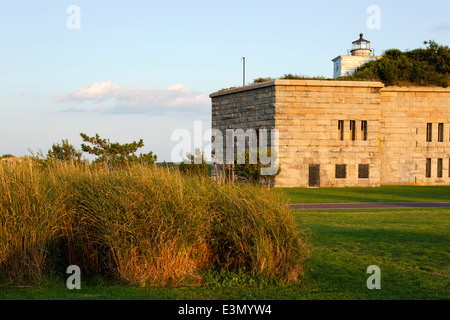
point(143, 225)
point(31, 213)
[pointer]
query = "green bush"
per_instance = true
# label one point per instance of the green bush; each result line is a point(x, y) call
point(289, 76)
point(6, 156)
point(423, 67)
point(194, 164)
point(259, 80)
point(251, 172)
point(64, 152)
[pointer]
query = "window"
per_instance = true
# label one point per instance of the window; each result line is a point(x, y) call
point(341, 171)
point(341, 129)
point(440, 132)
point(257, 139)
point(428, 168)
point(429, 131)
point(363, 171)
point(364, 130)
point(352, 129)
point(439, 168)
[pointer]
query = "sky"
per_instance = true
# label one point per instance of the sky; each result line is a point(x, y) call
point(130, 70)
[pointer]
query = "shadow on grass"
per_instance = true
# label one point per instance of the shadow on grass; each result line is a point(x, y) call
point(380, 235)
point(412, 263)
point(408, 193)
point(369, 194)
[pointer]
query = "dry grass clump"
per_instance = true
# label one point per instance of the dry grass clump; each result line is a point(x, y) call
point(144, 225)
point(32, 209)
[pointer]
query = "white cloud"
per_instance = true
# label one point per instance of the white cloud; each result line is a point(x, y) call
point(109, 97)
point(441, 27)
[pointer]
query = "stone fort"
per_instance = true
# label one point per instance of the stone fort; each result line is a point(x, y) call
point(335, 133)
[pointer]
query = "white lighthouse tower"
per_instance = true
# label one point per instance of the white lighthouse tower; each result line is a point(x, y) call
point(360, 53)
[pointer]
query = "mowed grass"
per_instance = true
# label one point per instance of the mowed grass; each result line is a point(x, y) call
point(410, 246)
point(358, 194)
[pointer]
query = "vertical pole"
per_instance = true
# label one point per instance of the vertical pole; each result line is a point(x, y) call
point(243, 71)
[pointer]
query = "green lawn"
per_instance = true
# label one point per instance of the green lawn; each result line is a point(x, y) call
point(411, 247)
point(378, 194)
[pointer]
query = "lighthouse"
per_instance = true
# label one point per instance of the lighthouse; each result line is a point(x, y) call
point(360, 53)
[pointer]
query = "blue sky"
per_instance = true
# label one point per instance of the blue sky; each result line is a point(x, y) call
point(142, 69)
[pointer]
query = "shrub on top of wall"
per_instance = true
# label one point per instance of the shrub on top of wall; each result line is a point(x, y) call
point(428, 66)
point(422, 67)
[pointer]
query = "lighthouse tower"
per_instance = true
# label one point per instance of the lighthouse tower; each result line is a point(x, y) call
point(360, 53)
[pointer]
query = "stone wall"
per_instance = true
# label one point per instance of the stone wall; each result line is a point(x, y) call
point(405, 112)
point(307, 114)
point(246, 107)
point(249, 107)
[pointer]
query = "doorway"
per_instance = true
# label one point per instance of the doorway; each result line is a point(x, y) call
point(314, 175)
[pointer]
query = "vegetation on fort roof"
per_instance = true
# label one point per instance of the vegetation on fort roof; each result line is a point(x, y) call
point(289, 76)
point(429, 66)
point(422, 66)
point(223, 89)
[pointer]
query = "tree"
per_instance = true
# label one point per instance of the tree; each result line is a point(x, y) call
point(189, 166)
point(116, 154)
point(5, 156)
point(64, 152)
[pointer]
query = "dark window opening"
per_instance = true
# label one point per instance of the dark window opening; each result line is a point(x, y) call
point(439, 168)
point(364, 130)
point(428, 168)
point(440, 132)
point(341, 129)
point(429, 132)
point(257, 139)
point(363, 171)
point(352, 129)
point(341, 171)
